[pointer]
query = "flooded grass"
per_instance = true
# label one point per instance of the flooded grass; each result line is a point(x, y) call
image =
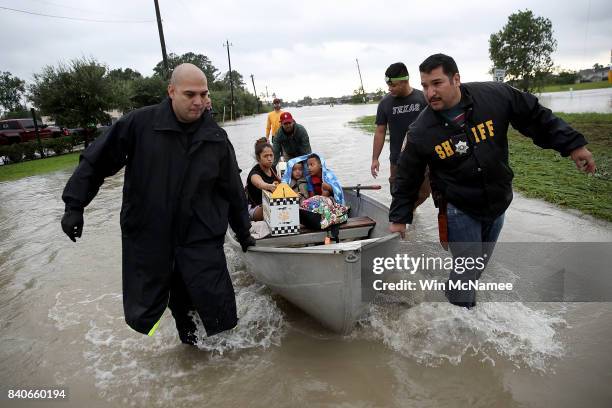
point(33, 167)
point(544, 174)
point(576, 87)
point(365, 123)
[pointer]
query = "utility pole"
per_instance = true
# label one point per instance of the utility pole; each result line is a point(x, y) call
point(361, 81)
point(161, 40)
point(227, 45)
point(255, 92)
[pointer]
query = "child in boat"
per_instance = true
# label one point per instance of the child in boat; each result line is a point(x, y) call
point(298, 182)
point(261, 177)
point(319, 187)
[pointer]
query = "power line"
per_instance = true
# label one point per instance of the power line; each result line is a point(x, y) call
point(76, 8)
point(79, 19)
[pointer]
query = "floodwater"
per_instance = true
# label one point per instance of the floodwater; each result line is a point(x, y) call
point(61, 320)
point(592, 100)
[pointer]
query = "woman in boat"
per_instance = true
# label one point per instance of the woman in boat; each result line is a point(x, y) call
point(261, 177)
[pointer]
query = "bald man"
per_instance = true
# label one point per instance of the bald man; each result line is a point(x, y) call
point(181, 188)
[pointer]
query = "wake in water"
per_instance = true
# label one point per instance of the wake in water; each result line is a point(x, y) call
point(435, 333)
point(260, 324)
point(139, 366)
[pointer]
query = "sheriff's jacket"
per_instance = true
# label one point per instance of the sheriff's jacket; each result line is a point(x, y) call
point(469, 167)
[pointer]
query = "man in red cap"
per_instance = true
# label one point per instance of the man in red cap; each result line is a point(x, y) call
point(291, 139)
point(273, 123)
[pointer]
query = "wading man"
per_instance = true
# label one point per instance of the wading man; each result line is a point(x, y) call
point(273, 123)
point(181, 187)
point(397, 110)
point(291, 140)
point(462, 137)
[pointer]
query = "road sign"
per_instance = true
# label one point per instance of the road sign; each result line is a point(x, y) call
point(499, 74)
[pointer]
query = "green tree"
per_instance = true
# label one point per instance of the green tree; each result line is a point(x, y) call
point(567, 77)
point(523, 47)
point(76, 94)
point(123, 82)
point(127, 74)
point(358, 96)
point(148, 91)
point(123, 92)
point(20, 114)
point(198, 60)
point(379, 94)
point(244, 103)
point(307, 101)
point(11, 91)
point(236, 78)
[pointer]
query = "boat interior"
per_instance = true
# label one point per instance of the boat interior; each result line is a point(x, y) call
point(356, 228)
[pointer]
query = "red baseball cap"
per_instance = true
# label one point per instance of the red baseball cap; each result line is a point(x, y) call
point(286, 117)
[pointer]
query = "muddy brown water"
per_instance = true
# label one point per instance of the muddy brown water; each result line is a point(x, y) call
point(61, 320)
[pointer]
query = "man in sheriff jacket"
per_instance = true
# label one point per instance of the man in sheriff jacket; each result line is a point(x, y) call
point(181, 186)
point(462, 136)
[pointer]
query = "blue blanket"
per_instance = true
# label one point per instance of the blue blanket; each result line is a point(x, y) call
point(328, 176)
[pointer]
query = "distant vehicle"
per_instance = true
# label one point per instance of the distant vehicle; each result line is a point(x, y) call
point(21, 130)
point(57, 131)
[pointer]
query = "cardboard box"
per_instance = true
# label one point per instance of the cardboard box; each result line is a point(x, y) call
point(281, 210)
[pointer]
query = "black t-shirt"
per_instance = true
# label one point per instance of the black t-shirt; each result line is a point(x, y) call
point(255, 193)
point(398, 113)
point(188, 129)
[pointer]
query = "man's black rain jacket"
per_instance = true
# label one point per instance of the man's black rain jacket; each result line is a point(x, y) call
point(174, 196)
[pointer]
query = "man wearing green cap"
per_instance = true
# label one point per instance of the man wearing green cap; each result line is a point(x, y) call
point(398, 109)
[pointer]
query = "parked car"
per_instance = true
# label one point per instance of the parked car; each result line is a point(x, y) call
point(57, 131)
point(21, 130)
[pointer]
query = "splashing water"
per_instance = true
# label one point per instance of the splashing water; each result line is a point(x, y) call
point(434, 333)
point(119, 358)
point(260, 324)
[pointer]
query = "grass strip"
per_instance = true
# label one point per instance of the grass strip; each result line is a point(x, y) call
point(34, 167)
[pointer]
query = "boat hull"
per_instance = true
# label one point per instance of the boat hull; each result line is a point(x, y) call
point(332, 283)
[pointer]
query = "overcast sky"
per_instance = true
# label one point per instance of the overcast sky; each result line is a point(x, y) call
point(293, 48)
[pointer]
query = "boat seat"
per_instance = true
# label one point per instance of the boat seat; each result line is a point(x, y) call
point(354, 228)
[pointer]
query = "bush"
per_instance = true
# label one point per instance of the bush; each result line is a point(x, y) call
point(29, 150)
point(59, 145)
point(14, 152)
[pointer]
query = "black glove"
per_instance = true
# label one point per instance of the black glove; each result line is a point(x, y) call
point(246, 242)
point(72, 223)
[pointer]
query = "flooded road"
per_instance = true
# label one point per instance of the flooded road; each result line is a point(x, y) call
point(62, 322)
